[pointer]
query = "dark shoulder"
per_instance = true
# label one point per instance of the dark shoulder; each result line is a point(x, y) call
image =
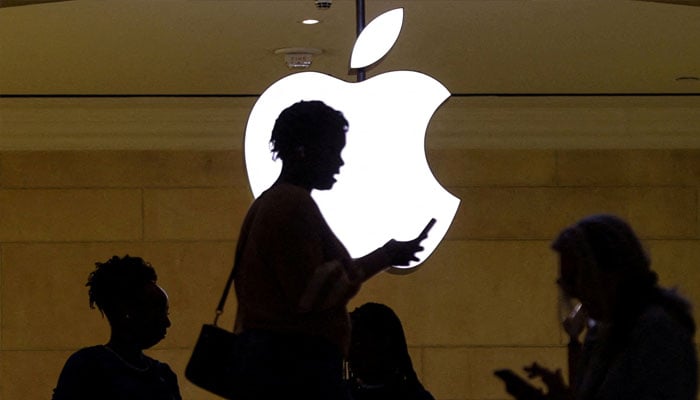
point(82, 374)
point(655, 315)
point(88, 356)
point(285, 200)
point(286, 193)
point(166, 375)
point(163, 369)
point(657, 321)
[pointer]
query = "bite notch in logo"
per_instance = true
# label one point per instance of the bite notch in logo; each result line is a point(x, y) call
point(385, 189)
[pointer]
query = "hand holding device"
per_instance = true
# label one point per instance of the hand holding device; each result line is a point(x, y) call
point(402, 253)
point(517, 386)
point(426, 230)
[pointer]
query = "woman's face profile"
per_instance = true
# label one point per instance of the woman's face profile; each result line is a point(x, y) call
point(325, 161)
point(586, 283)
point(568, 275)
point(150, 320)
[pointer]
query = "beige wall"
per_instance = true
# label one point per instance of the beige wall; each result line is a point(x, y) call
point(486, 298)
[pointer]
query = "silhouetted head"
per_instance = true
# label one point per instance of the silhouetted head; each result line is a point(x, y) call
point(378, 351)
point(308, 137)
point(124, 289)
point(603, 264)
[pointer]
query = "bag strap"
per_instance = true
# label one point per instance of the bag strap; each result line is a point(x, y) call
point(229, 281)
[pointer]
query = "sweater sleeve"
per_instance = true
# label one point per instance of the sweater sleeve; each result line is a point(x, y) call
point(313, 266)
point(305, 258)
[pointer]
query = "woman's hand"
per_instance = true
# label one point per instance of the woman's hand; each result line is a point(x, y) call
point(402, 253)
point(556, 388)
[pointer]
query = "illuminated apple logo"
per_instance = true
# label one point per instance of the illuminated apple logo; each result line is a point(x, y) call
point(385, 189)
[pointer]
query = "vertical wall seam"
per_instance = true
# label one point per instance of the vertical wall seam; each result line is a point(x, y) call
point(557, 178)
point(2, 310)
point(697, 213)
point(143, 214)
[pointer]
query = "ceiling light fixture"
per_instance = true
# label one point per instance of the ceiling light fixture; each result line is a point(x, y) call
point(310, 21)
point(298, 57)
point(323, 4)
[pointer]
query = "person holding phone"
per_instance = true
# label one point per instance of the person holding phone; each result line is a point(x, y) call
point(639, 335)
point(641, 345)
point(294, 278)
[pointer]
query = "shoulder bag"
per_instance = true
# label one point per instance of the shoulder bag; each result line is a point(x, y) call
point(212, 365)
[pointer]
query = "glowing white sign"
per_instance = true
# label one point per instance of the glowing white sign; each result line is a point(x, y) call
point(377, 39)
point(385, 189)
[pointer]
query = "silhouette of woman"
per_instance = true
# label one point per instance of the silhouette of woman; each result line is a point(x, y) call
point(293, 277)
point(379, 365)
point(125, 290)
point(639, 345)
point(642, 344)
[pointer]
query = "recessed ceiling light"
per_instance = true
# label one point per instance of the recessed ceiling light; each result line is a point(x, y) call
point(310, 21)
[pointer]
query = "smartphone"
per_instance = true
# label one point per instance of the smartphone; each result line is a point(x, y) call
point(428, 227)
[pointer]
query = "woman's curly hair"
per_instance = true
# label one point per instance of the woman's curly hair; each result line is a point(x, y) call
point(304, 124)
point(116, 281)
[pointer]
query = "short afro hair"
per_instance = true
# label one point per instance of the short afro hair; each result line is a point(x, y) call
point(114, 282)
point(307, 124)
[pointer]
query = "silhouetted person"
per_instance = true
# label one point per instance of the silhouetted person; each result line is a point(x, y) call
point(293, 276)
point(639, 345)
point(124, 290)
point(379, 365)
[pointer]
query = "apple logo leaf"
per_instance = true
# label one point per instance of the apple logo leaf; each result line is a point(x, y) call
point(376, 39)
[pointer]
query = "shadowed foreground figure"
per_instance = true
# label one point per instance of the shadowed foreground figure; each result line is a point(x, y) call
point(124, 290)
point(379, 365)
point(639, 344)
point(293, 277)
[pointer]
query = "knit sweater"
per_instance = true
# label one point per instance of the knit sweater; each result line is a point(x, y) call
point(293, 275)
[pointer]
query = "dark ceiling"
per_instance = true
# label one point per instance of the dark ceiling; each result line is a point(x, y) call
point(211, 47)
